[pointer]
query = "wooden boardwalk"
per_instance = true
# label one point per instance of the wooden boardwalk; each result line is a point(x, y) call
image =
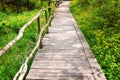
point(65, 54)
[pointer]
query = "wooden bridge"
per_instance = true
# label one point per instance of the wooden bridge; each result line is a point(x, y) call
point(65, 54)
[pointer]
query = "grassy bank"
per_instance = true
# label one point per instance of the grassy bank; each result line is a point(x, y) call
point(104, 41)
point(15, 56)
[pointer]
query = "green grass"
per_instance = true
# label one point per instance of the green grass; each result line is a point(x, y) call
point(15, 56)
point(104, 42)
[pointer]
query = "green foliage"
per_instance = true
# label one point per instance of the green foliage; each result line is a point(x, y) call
point(11, 61)
point(22, 5)
point(110, 11)
point(100, 23)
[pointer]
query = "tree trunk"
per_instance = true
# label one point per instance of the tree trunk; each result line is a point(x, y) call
point(2, 4)
point(17, 6)
point(28, 5)
point(20, 6)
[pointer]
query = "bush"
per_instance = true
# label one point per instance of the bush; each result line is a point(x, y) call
point(110, 11)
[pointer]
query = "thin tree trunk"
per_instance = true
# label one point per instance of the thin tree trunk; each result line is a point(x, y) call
point(17, 6)
point(2, 4)
point(20, 9)
point(28, 5)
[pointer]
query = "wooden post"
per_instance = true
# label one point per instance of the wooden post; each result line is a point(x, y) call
point(55, 3)
point(49, 10)
point(39, 30)
point(46, 18)
point(54, 7)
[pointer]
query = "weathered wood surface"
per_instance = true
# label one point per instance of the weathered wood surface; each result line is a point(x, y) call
point(65, 54)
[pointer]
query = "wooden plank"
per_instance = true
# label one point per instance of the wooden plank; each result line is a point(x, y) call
point(65, 63)
point(52, 57)
point(31, 77)
point(33, 70)
point(60, 65)
point(59, 74)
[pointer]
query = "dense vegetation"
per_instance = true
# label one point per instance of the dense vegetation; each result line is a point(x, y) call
point(100, 22)
point(20, 5)
point(10, 23)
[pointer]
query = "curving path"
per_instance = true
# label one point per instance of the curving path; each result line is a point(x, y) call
point(66, 54)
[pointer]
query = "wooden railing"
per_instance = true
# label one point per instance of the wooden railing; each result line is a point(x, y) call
point(20, 35)
point(23, 69)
